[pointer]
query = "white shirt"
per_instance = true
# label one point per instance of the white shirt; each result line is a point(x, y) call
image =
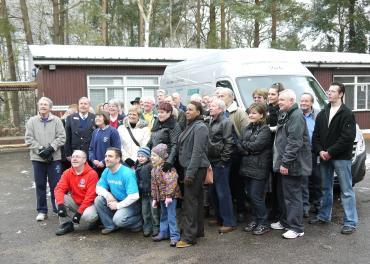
point(333, 111)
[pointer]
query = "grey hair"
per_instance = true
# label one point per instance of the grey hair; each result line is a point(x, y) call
point(161, 91)
point(115, 102)
point(47, 99)
point(196, 97)
point(289, 93)
point(229, 92)
point(148, 98)
point(80, 152)
point(220, 103)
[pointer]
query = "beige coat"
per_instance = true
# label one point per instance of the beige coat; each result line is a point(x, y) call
point(239, 118)
point(40, 134)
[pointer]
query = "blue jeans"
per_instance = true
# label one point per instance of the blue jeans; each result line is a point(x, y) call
point(45, 172)
point(255, 190)
point(347, 195)
point(150, 216)
point(127, 217)
point(220, 191)
point(168, 225)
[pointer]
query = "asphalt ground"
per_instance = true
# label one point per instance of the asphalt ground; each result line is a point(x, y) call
point(23, 240)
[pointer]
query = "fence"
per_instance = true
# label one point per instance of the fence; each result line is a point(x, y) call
point(17, 105)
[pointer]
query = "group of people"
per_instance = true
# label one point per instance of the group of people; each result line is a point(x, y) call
point(136, 171)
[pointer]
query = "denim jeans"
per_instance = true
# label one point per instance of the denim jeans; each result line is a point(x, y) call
point(305, 194)
point(255, 190)
point(150, 216)
point(45, 172)
point(344, 174)
point(127, 217)
point(221, 195)
point(168, 224)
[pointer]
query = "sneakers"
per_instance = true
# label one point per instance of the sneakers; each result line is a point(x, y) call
point(260, 230)
point(290, 234)
point(159, 237)
point(64, 228)
point(183, 244)
point(173, 243)
point(106, 231)
point(41, 216)
point(250, 227)
point(347, 230)
point(316, 221)
point(277, 226)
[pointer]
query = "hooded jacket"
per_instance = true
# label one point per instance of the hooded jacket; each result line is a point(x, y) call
point(81, 187)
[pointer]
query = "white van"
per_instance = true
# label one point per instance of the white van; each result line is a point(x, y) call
point(243, 71)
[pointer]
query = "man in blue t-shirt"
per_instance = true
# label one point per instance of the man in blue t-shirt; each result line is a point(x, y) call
point(118, 194)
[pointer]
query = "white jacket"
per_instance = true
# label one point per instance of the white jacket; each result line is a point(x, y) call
point(129, 148)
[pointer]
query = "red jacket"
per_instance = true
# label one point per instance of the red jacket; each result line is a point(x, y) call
point(81, 187)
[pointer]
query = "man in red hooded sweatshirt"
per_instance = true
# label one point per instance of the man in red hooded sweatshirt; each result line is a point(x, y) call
point(75, 194)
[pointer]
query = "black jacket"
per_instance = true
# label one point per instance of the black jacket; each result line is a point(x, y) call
point(166, 133)
point(272, 115)
point(192, 148)
point(256, 150)
point(78, 137)
point(292, 148)
point(221, 142)
point(338, 138)
point(144, 177)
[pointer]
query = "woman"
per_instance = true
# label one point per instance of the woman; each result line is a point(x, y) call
point(256, 150)
point(193, 159)
point(260, 96)
point(133, 135)
point(103, 137)
point(165, 130)
point(115, 118)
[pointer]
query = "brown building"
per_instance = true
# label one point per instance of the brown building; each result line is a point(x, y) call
point(65, 73)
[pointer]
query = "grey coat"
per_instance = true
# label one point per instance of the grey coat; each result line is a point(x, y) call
point(192, 148)
point(40, 134)
point(292, 146)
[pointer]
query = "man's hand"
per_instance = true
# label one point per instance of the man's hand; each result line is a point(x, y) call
point(62, 211)
point(76, 218)
point(324, 155)
point(110, 198)
point(154, 204)
point(96, 163)
point(112, 205)
point(168, 201)
point(283, 170)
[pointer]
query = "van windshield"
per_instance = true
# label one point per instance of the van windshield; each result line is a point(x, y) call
point(299, 84)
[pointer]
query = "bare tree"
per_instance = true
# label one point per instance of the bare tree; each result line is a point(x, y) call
point(26, 22)
point(223, 25)
point(104, 24)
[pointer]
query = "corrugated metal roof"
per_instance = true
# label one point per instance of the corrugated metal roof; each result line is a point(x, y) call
point(108, 55)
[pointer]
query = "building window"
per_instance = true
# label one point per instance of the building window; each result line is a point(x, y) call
point(357, 95)
point(103, 88)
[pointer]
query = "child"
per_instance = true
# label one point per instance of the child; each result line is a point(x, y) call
point(143, 173)
point(165, 191)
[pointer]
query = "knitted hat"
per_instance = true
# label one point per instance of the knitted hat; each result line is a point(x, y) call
point(144, 151)
point(161, 150)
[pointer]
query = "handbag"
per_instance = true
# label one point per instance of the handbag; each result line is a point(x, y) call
point(132, 136)
point(209, 176)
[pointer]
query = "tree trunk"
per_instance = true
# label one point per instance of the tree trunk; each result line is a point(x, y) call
point(66, 27)
point(56, 22)
point(341, 39)
point(62, 22)
point(146, 18)
point(273, 23)
point(212, 39)
point(198, 24)
point(223, 26)
point(256, 31)
point(14, 105)
point(141, 25)
point(104, 25)
point(26, 22)
point(170, 25)
point(351, 22)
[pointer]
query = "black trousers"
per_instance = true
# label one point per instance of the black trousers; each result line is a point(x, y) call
point(290, 200)
point(237, 184)
point(193, 223)
point(315, 184)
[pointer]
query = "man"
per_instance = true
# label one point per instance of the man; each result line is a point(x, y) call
point(239, 120)
point(292, 159)
point(177, 99)
point(45, 135)
point(75, 194)
point(220, 149)
point(149, 114)
point(79, 128)
point(161, 94)
point(333, 137)
point(306, 104)
point(118, 194)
